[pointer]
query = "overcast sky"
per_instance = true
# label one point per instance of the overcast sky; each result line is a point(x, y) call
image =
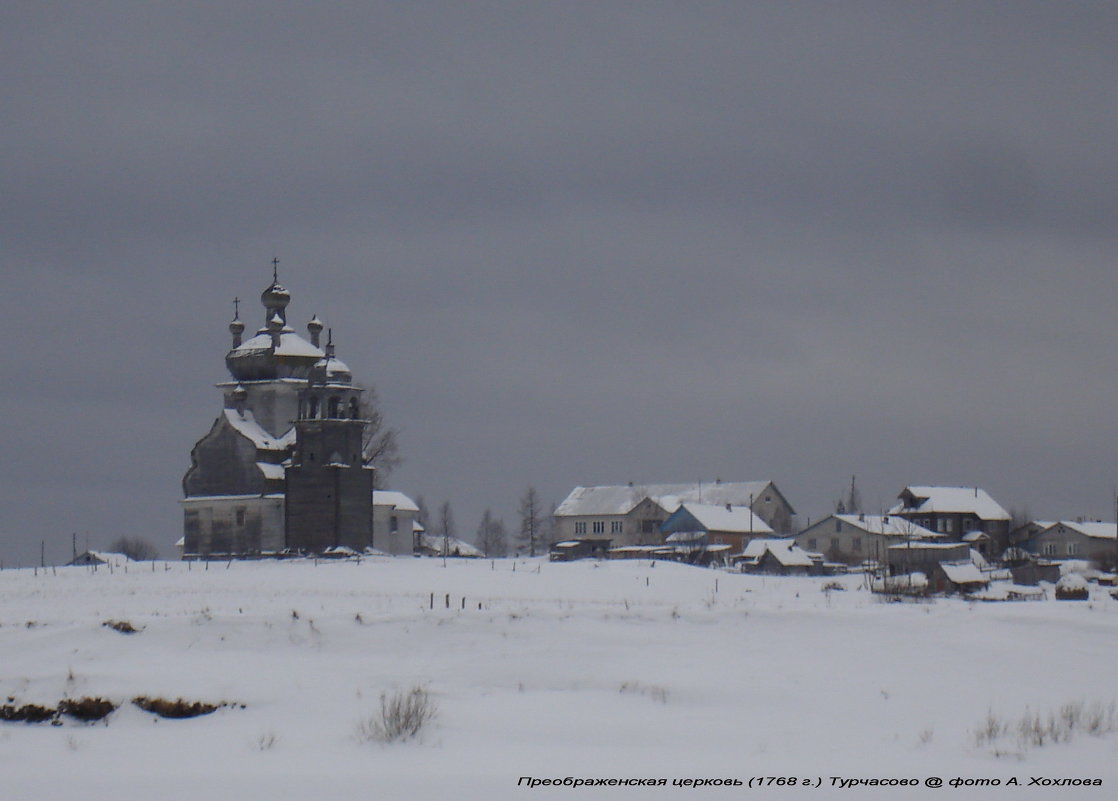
point(569, 243)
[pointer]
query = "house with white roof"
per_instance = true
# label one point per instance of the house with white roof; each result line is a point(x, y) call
point(1074, 539)
point(857, 538)
point(957, 512)
point(395, 518)
point(632, 514)
point(779, 556)
point(707, 526)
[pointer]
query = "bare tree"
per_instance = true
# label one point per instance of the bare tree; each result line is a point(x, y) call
point(135, 548)
point(491, 537)
point(446, 526)
point(380, 445)
point(854, 498)
point(531, 522)
point(422, 516)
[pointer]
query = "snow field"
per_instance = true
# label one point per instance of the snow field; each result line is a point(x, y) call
point(589, 670)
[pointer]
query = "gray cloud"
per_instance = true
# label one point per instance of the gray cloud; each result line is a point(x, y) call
point(568, 243)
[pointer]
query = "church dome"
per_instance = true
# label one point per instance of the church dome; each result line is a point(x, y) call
point(275, 351)
point(275, 297)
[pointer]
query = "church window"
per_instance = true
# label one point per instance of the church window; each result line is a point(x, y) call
point(353, 408)
point(334, 403)
point(312, 408)
point(395, 524)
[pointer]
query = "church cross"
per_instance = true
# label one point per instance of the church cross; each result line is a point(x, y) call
point(275, 269)
point(236, 308)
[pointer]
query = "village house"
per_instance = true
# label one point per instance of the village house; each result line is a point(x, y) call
point(961, 514)
point(394, 522)
point(708, 526)
point(780, 557)
point(632, 515)
point(1069, 539)
point(856, 538)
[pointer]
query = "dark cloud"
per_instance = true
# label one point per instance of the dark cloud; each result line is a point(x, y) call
point(569, 243)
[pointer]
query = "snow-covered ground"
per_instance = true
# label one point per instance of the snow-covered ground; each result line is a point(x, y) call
point(585, 670)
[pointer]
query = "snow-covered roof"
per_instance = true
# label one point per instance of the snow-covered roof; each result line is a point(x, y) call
point(272, 472)
point(888, 526)
point(245, 423)
point(397, 500)
point(686, 536)
point(970, 500)
point(926, 546)
point(102, 558)
point(784, 551)
point(620, 500)
point(736, 519)
point(291, 344)
point(1098, 530)
point(963, 573)
point(454, 546)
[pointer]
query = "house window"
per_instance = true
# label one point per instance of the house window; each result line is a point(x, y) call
point(239, 515)
point(580, 528)
point(949, 525)
point(1073, 549)
point(838, 525)
point(835, 543)
point(857, 543)
point(617, 526)
point(599, 526)
point(1049, 549)
point(648, 526)
point(811, 544)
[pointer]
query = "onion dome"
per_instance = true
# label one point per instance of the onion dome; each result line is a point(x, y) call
point(275, 351)
point(314, 328)
point(275, 297)
point(236, 328)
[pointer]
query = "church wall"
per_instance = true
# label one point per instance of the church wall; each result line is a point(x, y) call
point(329, 506)
point(397, 539)
point(232, 526)
point(274, 404)
point(223, 463)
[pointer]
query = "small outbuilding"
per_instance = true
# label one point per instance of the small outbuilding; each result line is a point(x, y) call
point(572, 550)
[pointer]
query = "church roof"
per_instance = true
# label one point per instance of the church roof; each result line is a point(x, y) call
point(245, 423)
point(291, 344)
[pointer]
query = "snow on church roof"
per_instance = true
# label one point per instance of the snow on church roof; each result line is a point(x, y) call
point(272, 472)
point(246, 425)
point(950, 499)
point(291, 344)
point(620, 500)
